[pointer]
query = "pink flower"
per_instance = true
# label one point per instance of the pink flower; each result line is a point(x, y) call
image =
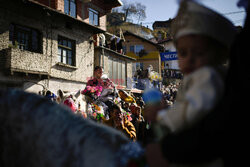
point(94, 114)
point(130, 119)
point(84, 91)
point(70, 103)
point(88, 87)
point(99, 88)
point(129, 116)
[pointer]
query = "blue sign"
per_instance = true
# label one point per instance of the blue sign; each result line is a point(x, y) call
point(168, 56)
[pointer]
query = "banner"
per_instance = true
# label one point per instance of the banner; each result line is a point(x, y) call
point(169, 56)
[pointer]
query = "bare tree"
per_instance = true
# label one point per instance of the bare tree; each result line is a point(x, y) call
point(134, 11)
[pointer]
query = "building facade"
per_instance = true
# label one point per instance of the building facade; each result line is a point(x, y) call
point(169, 47)
point(117, 66)
point(144, 51)
point(48, 44)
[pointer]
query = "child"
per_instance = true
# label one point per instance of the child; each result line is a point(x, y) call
point(202, 38)
point(118, 121)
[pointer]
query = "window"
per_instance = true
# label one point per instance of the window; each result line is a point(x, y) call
point(70, 7)
point(25, 38)
point(93, 17)
point(117, 71)
point(136, 49)
point(124, 48)
point(139, 66)
point(66, 53)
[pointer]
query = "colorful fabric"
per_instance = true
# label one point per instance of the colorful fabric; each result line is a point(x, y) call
point(128, 129)
point(197, 97)
point(95, 112)
point(70, 103)
point(94, 82)
point(107, 84)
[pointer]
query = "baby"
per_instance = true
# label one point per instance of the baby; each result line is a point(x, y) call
point(202, 38)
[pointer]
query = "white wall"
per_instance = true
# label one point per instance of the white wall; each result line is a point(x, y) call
point(171, 48)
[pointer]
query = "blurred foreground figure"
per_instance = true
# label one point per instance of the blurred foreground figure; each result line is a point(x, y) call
point(203, 39)
point(37, 132)
point(195, 130)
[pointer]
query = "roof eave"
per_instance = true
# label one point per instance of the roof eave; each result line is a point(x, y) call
point(137, 36)
point(93, 28)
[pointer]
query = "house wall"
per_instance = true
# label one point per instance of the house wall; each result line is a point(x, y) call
point(101, 54)
point(131, 40)
point(98, 6)
point(169, 45)
point(82, 9)
point(55, 4)
point(152, 57)
point(70, 78)
point(154, 63)
point(46, 2)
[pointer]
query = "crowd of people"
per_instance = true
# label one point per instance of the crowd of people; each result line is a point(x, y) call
point(146, 79)
point(119, 109)
point(172, 74)
point(170, 92)
point(116, 108)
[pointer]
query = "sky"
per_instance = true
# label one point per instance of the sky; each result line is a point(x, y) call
point(162, 10)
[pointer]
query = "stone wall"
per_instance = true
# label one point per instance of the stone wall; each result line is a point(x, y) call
point(25, 61)
point(150, 49)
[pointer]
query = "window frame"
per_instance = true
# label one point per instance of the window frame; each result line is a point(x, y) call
point(67, 49)
point(68, 12)
point(133, 48)
point(16, 29)
point(139, 65)
point(95, 13)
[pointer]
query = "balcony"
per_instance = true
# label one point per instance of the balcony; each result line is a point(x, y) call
point(16, 60)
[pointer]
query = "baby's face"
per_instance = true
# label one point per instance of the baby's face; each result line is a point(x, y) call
point(98, 73)
point(193, 53)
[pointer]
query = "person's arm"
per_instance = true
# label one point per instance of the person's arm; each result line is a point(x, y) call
point(90, 82)
point(129, 129)
point(203, 142)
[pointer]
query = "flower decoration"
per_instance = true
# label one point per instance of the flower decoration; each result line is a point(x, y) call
point(95, 112)
point(128, 116)
point(70, 103)
point(117, 100)
point(92, 91)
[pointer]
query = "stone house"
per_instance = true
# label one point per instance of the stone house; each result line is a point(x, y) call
point(116, 65)
point(48, 44)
